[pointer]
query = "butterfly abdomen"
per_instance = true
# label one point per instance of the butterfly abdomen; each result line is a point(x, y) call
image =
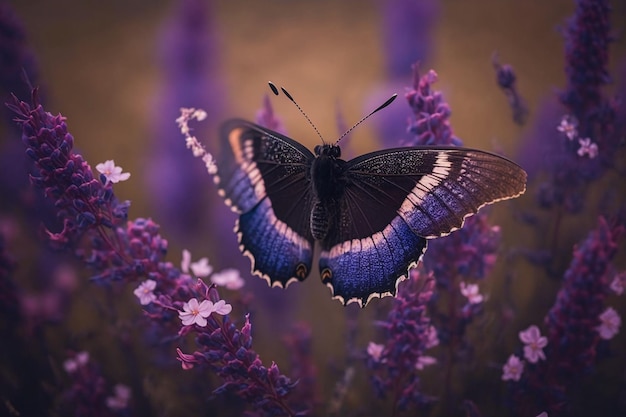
point(328, 180)
point(320, 223)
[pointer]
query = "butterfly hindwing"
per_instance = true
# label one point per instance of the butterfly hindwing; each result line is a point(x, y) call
point(263, 176)
point(396, 198)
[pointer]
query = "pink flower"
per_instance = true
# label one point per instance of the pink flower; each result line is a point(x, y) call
point(196, 313)
point(543, 414)
point(609, 323)
point(588, 148)
point(471, 291)
point(112, 173)
point(145, 292)
point(512, 369)
point(72, 364)
point(229, 278)
point(222, 308)
point(568, 126)
point(424, 361)
point(119, 400)
point(533, 351)
point(375, 351)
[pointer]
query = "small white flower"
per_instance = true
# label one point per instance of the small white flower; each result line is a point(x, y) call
point(229, 278)
point(375, 351)
point(145, 292)
point(542, 414)
point(587, 148)
point(112, 173)
point(534, 343)
point(472, 292)
point(610, 322)
point(187, 114)
point(512, 369)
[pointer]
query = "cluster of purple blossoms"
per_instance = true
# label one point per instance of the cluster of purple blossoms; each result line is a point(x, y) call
point(395, 365)
point(89, 394)
point(590, 133)
point(83, 203)
point(227, 351)
point(135, 251)
point(431, 125)
point(575, 326)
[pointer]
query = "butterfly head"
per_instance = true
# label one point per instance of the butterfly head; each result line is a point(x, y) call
point(332, 151)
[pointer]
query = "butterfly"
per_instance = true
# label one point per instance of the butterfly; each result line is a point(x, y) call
point(371, 216)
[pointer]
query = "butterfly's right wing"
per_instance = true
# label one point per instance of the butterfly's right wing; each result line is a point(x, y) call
point(396, 199)
point(264, 176)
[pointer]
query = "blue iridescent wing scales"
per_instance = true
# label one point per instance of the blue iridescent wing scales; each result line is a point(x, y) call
point(264, 176)
point(396, 199)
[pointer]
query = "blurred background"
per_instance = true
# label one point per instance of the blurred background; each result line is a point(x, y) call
point(119, 70)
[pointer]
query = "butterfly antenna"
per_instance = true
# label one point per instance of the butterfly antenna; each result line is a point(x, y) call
point(275, 91)
point(382, 106)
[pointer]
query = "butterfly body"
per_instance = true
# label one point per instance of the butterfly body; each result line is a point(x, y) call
point(370, 216)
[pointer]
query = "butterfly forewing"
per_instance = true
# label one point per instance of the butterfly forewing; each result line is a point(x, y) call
point(264, 176)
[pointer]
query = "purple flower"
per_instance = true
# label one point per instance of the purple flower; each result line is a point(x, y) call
point(396, 363)
point(188, 57)
point(88, 393)
point(610, 322)
point(227, 351)
point(588, 35)
point(265, 117)
point(299, 342)
point(469, 252)
point(83, 202)
point(534, 343)
point(505, 76)
point(579, 303)
point(17, 59)
point(407, 33)
point(431, 125)
point(574, 325)
point(512, 369)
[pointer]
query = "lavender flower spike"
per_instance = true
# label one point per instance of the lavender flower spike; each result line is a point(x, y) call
point(83, 202)
point(505, 76)
point(581, 300)
point(395, 365)
point(431, 125)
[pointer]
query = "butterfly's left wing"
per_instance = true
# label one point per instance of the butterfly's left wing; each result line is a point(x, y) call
point(264, 176)
point(396, 199)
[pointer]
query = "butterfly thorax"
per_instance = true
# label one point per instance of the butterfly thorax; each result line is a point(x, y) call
point(328, 180)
